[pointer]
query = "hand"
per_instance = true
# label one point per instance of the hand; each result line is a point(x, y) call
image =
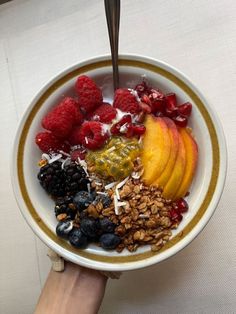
point(58, 265)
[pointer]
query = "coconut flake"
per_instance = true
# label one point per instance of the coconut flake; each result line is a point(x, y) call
point(102, 193)
point(119, 185)
point(98, 183)
point(55, 158)
point(116, 207)
point(143, 216)
point(89, 188)
point(86, 140)
point(119, 204)
point(84, 165)
point(123, 128)
point(64, 153)
point(110, 185)
point(134, 93)
point(45, 157)
point(65, 162)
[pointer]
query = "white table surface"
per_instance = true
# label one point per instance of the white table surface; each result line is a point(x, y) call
point(38, 39)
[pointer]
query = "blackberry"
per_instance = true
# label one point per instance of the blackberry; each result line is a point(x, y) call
point(64, 205)
point(52, 179)
point(75, 179)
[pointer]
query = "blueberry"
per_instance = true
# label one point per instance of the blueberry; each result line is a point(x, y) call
point(82, 200)
point(90, 227)
point(104, 199)
point(78, 239)
point(109, 241)
point(107, 226)
point(64, 228)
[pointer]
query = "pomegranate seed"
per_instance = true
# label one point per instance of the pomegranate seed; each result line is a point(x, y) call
point(139, 129)
point(175, 215)
point(125, 119)
point(141, 117)
point(171, 100)
point(185, 109)
point(145, 99)
point(158, 100)
point(115, 129)
point(181, 205)
point(171, 113)
point(145, 107)
point(129, 130)
point(142, 88)
point(181, 121)
point(171, 108)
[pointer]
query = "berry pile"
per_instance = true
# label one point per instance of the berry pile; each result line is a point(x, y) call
point(60, 182)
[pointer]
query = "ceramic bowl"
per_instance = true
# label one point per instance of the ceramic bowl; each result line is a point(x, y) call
point(206, 189)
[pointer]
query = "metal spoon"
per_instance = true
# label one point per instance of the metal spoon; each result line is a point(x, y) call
point(112, 8)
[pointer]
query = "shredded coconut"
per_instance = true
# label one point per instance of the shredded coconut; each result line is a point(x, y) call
point(45, 157)
point(64, 153)
point(134, 93)
point(116, 208)
point(89, 188)
point(54, 158)
point(86, 140)
point(110, 185)
point(65, 162)
point(102, 193)
point(143, 216)
point(123, 128)
point(84, 165)
point(119, 185)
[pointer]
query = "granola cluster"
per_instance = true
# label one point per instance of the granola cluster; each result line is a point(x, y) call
point(143, 215)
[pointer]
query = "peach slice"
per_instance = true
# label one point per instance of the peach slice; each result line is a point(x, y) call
point(174, 143)
point(156, 148)
point(177, 174)
point(191, 149)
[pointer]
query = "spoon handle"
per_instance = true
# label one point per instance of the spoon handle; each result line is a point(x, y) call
point(112, 8)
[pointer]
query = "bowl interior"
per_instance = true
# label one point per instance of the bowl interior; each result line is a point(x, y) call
point(130, 75)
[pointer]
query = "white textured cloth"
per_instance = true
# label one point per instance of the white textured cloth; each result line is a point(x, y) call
point(41, 38)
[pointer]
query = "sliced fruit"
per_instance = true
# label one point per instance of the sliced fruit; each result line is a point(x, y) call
point(174, 143)
point(191, 149)
point(156, 148)
point(176, 177)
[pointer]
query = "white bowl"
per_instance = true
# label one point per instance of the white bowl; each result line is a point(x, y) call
point(37, 207)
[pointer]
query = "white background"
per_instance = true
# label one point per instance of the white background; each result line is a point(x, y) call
point(38, 39)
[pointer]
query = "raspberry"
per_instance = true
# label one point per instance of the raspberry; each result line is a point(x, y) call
point(104, 113)
point(74, 138)
point(62, 117)
point(125, 101)
point(47, 142)
point(60, 125)
point(92, 135)
point(70, 107)
point(90, 95)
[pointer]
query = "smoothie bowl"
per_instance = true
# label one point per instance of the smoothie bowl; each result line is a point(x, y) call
point(118, 181)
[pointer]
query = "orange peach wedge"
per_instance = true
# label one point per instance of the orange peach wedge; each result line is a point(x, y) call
point(174, 143)
point(191, 162)
point(174, 182)
point(156, 148)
